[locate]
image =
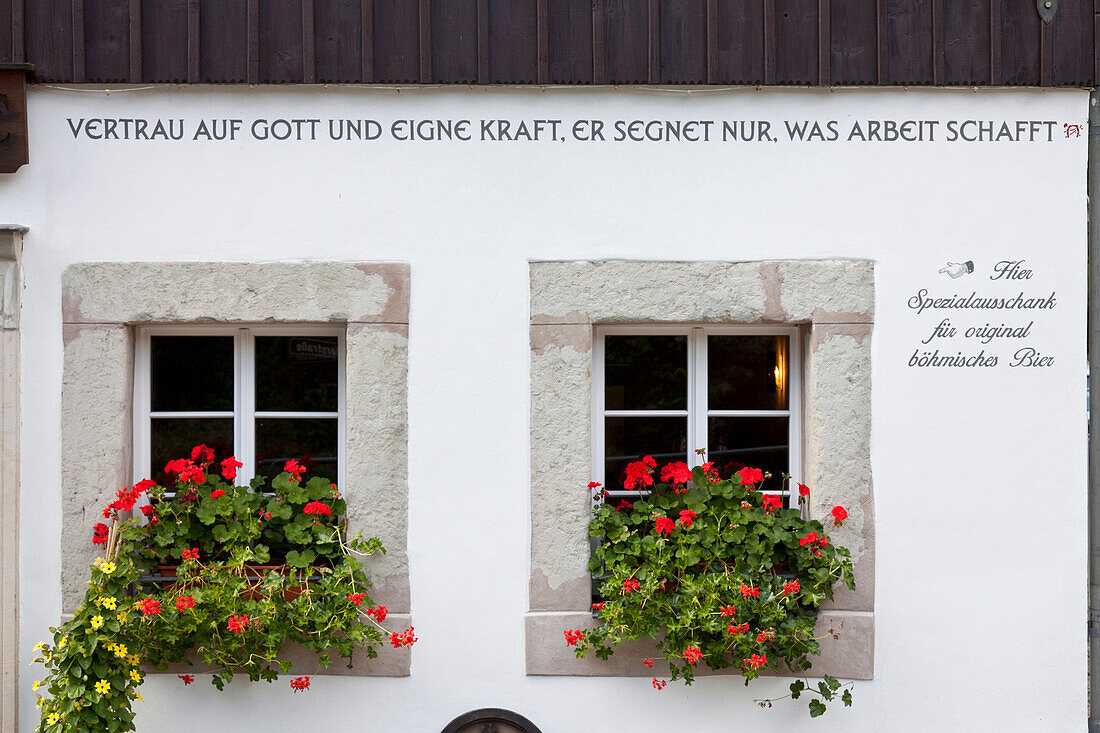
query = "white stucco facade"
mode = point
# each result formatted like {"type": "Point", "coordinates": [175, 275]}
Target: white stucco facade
{"type": "Point", "coordinates": [979, 473]}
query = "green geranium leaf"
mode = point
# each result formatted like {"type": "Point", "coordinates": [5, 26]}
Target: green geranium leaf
{"type": "Point", "coordinates": [300, 559]}
{"type": "Point", "coordinates": [817, 708]}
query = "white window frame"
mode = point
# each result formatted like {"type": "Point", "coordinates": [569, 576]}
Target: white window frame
{"type": "Point", "coordinates": [244, 411]}
{"type": "Point", "coordinates": [698, 412]}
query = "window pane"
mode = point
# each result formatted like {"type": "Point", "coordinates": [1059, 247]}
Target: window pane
{"type": "Point", "coordinates": [191, 373]}
{"type": "Point", "coordinates": [175, 437]}
{"type": "Point", "coordinates": [645, 372]}
{"type": "Point", "coordinates": [310, 441]}
{"type": "Point", "coordinates": [747, 372]}
{"type": "Point", "coordinates": [627, 439]}
{"type": "Point", "coordinates": [296, 373]}
{"type": "Point", "coordinates": [757, 442]}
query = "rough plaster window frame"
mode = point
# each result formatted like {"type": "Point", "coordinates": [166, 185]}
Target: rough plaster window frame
{"type": "Point", "coordinates": [104, 302]}
{"type": "Point", "coordinates": [697, 410]}
{"type": "Point", "coordinates": [832, 301]}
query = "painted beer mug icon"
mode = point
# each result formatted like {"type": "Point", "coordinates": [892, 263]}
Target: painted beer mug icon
{"type": "Point", "coordinates": [958, 269]}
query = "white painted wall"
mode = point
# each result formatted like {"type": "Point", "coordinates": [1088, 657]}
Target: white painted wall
{"type": "Point", "coordinates": [980, 476]}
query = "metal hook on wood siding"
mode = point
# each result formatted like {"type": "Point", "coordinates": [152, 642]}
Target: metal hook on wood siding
{"type": "Point", "coordinates": [1047, 9]}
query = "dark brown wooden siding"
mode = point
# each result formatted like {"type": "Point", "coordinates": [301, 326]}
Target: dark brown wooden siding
{"type": "Point", "coordinates": [772, 42]}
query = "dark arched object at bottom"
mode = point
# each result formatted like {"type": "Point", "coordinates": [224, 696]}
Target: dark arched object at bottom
{"type": "Point", "coordinates": [491, 720]}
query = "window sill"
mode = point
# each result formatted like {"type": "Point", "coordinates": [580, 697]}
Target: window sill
{"type": "Point", "coordinates": [390, 662]}
{"type": "Point", "coordinates": [849, 657]}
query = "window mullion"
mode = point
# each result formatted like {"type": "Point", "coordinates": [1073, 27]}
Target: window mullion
{"type": "Point", "coordinates": [341, 406]}
{"type": "Point", "coordinates": [698, 403]}
{"type": "Point", "coordinates": [598, 380]}
{"type": "Point", "coordinates": [246, 404]}
{"type": "Point", "coordinates": [794, 405]}
{"type": "Point", "coordinates": [142, 407]}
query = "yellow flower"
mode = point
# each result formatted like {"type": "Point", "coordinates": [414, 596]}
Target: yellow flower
{"type": "Point", "coordinates": [108, 603]}
{"type": "Point", "coordinates": [134, 660]}
{"type": "Point", "coordinates": [39, 645]}
{"type": "Point", "coordinates": [135, 676]}
{"type": "Point", "coordinates": [122, 616]}
{"type": "Point", "coordinates": [52, 718]}
{"type": "Point", "coordinates": [120, 650]}
{"type": "Point", "coordinates": [97, 622]}
{"type": "Point", "coordinates": [107, 568]}
{"type": "Point", "coordinates": [138, 696]}
{"type": "Point", "coordinates": [36, 685]}
{"type": "Point", "coordinates": [102, 687]}
{"type": "Point", "coordinates": [64, 640]}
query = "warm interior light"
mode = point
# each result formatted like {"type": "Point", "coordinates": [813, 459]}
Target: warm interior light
{"type": "Point", "coordinates": [779, 375]}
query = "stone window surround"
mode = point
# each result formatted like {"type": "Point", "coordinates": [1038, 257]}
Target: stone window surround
{"type": "Point", "coordinates": [102, 302]}
{"type": "Point", "coordinates": [833, 302]}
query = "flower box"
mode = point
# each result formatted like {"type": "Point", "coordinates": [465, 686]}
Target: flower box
{"type": "Point", "coordinates": [190, 579]}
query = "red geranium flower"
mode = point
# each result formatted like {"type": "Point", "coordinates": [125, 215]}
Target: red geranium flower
{"type": "Point", "coordinates": [659, 684]}
{"type": "Point", "coordinates": [640, 472]}
{"type": "Point", "coordinates": [803, 490]}
{"type": "Point", "coordinates": [749, 590]}
{"type": "Point", "coordinates": [839, 515]}
{"type": "Point", "coordinates": [750, 476]}
{"type": "Point", "coordinates": [772, 502]}
{"type": "Point", "coordinates": [317, 507]}
{"type": "Point", "coordinates": [572, 636]}
{"type": "Point", "coordinates": [101, 531]}
{"type": "Point", "coordinates": [648, 662]}
{"type": "Point", "coordinates": [148, 606]}
{"type": "Point", "coordinates": [236, 624]}
{"type": "Point", "coordinates": [202, 454]}
{"type": "Point", "coordinates": [293, 467]}
{"type": "Point", "coordinates": [192, 554]}
{"type": "Point", "coordinates": [693, 654]}
{"type": "Point", "coordinates": [676, 473]}
{"type": "Point", "coordinates": [809, 539]}
{"type": "Point", "coordinates": [300, 683]}
{"type": "Point", "coordinates": [378, 614]}
{"type": "Point", "coordinates": [663, 525]}
{"type": "Point", "coordinates": [185, 471]}
{"type": "Point", "coordinates": [229, 468]}
{"type": "Point", "coordinates": [738, 628]}
{"type": "Point", "coordinates": [357, 598]}
{"type": "Point", "coordinates": [597, 606]}
{"type": "Point", "coordinates": [187, 679]}
{"type": "Point", "coordinates": [184, 602]}
{"type": "Point", "coordinates": [216, 493]}
{"type": "Point", "coordinates": [792, 587]}
{"type": "Point", "coordinates": [756, 660]}
{"type": "Point", "coordinates": [687, 517]}
{"type": "Point", "coordinates": [729, 610]}
{"type": "Point", "coordinates": [405, 638]}
{"type": "Point", "coordinates": [630, 585]}
{"type": "Point", "coordinates": [624, 504]}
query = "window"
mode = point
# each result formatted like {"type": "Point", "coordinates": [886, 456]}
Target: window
{"type": "Point", "coordinates": [112, 310]}
{"type": "Point", "coordinates": [264, 394]}
{"type": "Point", "coordinates": [666, 391]}
{"type": "Point", "coordinates": [603, 392]}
